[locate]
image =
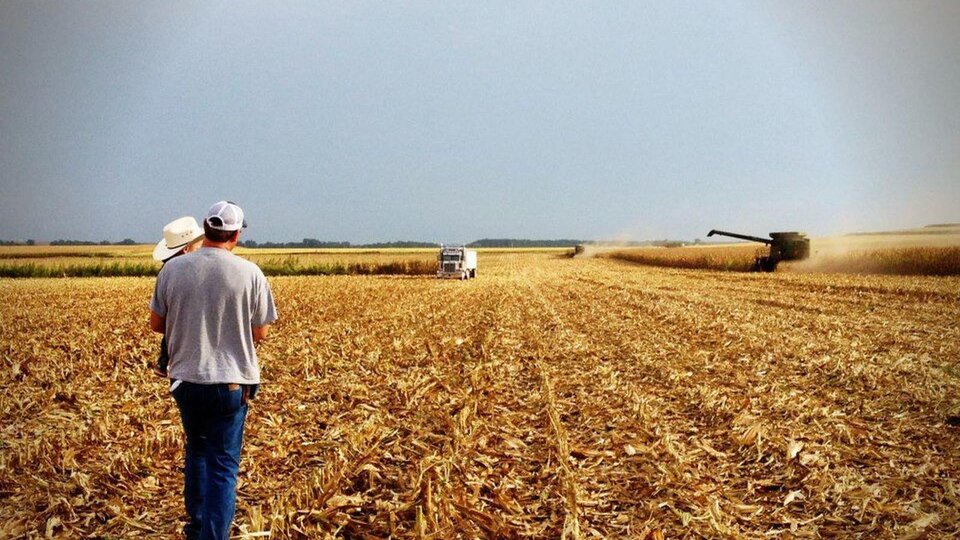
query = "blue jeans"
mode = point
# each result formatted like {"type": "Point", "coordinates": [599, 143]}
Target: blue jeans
{"type": "Point", "coordinates": [212, 417]}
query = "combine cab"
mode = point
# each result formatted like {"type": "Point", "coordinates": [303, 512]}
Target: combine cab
{"type": "Point", "coordinates": [784, 246]}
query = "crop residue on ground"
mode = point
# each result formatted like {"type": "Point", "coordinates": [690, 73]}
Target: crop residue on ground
{"type": "Point", "coordinates": [549, 397]}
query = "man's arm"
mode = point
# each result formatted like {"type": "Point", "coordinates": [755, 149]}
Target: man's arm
{"type": "Point", "coordinates": [260, 333]}
{"type": "Point", "coordinates": [158, 324]}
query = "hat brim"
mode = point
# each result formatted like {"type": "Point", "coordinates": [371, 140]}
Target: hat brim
{"type": "Point", "coordinates": [161, 252]}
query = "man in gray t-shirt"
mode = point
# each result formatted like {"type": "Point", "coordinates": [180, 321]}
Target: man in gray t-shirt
{"type": "Point", "coordinates": [213, 307]}
{"type": "Point", "coordinates": [212, 300]}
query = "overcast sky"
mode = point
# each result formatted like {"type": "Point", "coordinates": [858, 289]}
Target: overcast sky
{"type": "Point", "coordinates": [450, 121]}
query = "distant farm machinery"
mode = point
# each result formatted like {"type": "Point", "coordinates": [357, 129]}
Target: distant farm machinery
{"type": "Point", "coordinates": [784, 246]}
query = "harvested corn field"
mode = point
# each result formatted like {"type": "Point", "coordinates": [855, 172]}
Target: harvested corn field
{"type": "Point", "coordinates": [551, 397]}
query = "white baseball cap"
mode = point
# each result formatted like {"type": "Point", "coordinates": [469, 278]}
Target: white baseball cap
{"type": "Point", "coordinates": [177, 234]}
{"type": "Point", "coordinates": [225, 216]}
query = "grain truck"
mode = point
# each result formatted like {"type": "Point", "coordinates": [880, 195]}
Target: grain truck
{"type": "Point", "coordinates": [456, 262]}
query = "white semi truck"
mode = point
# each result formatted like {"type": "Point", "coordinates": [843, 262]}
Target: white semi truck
{"type": "Point", "coordinates": [456, 262]}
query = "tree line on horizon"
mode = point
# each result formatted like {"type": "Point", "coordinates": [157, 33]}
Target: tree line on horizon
{"type": "Point", "coordinates": [482, 243]}
{"type": "Point", "coordinates": [522, 243]}
{"type": "Point", "coordinates": [60, 242]}
{"type": "Point", "coordinates": [313, 243]}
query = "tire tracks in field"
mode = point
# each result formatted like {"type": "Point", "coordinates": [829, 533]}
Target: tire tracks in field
{"type": "Point", "coordinates": [610, 445]}
{"type": "Point", "coordinates": [491, 450]}
{"type": "Point", "coordinates": [554, 358]}
{"type": "Point", "coordinates": [655, 340]}
{"type": "Point", "coordinates": [480, 435]}
{"type": "Point", "coordinates": [557, 333]}
{"type": "Point", "coordinates": [632, 303]}
{"type": "Point", "coordinates": [528, 404]}
{"type": "Point", "coordinates": [872, 332]}
{"type": "Point", "coordinates": [460, 451]}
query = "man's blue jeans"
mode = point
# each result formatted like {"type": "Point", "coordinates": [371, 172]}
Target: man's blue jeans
{"type": "Point", "coordinates": [213, 418]}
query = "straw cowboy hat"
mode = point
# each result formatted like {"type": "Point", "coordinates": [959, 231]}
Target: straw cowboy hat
{"type": "Point", "coordinates": [177, 234]}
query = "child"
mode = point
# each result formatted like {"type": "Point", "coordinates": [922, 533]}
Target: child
{"type": "Point", "coordinates": [179, 236]}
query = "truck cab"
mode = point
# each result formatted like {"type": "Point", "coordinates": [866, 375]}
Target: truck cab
{"type": "Point", "coordinates": [456, 262]}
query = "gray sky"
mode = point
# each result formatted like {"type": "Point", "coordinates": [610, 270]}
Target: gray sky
{"type": "Point", "coordinates": [452, 121]}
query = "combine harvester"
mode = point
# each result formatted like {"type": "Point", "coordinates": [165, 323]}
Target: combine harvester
{"type": "Point", "coordinates": [784, 246]}
{"type": "Point", "coordinates": [456, 262]}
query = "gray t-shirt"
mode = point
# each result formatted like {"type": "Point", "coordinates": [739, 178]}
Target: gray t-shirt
{"type": "Point", "coordinates": [211, 298]}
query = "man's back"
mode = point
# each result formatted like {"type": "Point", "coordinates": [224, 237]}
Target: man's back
{"type": "Point", "coordinates": [212, 306]}
{"type": "Point", "coordinates": [211, 299]}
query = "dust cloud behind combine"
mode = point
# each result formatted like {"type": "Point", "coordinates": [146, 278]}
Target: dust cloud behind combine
{"type": "Point", "coordinates": [931, 249]}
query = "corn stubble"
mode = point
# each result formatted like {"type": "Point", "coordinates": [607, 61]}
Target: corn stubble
{"type": "Point", "coordinates": [572, 398]}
